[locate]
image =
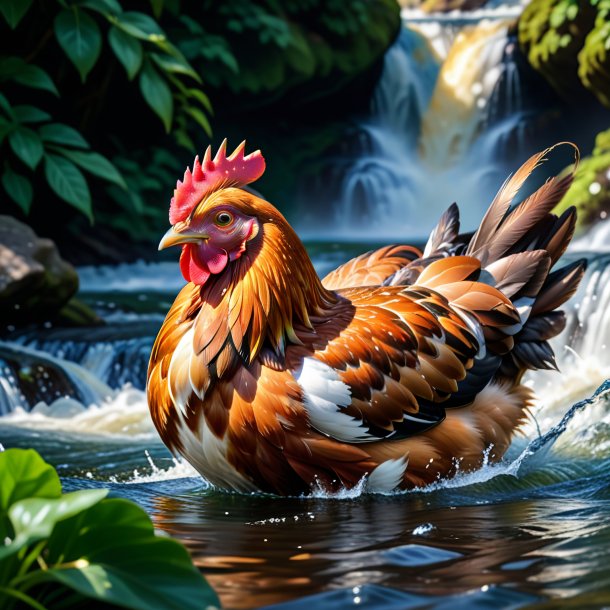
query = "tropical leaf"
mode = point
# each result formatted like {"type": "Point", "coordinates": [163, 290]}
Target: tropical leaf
{"type": "Point", "coordinates": [26, 144]}
{"type": "Point", "coordinates": [18, 187]}
{"type": "Point", "coordinates": [95, 164]}
{"type": "Point", "coordinates": [79, 36]}
{"type": "Point", "coordinates": [127, 49]}
{"type": "Point", "coordinates": [157, 94]}
{"type": "Point", "coordinates": [140, 25]}
{"type": "Point", "coordinates": [14, 10]}
{"type": "Point", "coordinates": [18, 70]}
{"type": "Point", "coordinates": [58, 133]}
{"type": "Point", "coordinates": [68, 183]}
{"type": "Point", "coordinates": [30, 114]}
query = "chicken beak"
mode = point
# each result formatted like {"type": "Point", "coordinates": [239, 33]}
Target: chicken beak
{"type": "Point", "coordinates": [174, 238]}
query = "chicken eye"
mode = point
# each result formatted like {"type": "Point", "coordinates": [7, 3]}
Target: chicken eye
{"type": "Point", "coordinates": [223, 219]}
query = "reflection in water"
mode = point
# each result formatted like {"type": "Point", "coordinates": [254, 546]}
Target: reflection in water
{"type": "Point", "coordinates": [257, 552]}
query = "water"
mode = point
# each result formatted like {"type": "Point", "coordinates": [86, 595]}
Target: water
{"type": "Point", "coordinates": [532, 528]}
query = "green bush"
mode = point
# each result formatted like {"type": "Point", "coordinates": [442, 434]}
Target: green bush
{"type": "Point", "coordinates": [52, 41]}
{"type": "Point", "coordinates": [69, 550]}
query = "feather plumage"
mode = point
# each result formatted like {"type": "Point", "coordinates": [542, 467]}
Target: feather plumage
{"type": "Point", "coordinates": [395, 366]}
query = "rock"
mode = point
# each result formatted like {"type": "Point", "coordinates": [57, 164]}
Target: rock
{"type": "Point", "coordinates": [35, 282]}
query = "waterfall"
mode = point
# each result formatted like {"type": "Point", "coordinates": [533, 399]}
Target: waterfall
{"type": "Point", "coordinates": [446, 111]}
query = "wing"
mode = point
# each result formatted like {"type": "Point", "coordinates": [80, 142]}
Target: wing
{"type": "Point", "coordinates": [405, 354]}
{"type": "Point", "coordinates": [371, 268]}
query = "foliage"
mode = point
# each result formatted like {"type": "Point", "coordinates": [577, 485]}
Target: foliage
{"type": "Point", "coordinates": [567, 42]}
{"type": "Point", "coordinates": [93, 36]}
{"type": "Point", "coordinates": [69, 550]}
{"type": "Point", "coordinates": [101, 97]}
{"type": "Point", "coordinates": [590, 192]}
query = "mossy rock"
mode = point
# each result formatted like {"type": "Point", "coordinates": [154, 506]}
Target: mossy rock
{"type": "Point", "coordinates": [594, 58]}
{"type": "Point", "coordinates": [551, 34]}
{"type": "Point", "coordinates": [590, 192]}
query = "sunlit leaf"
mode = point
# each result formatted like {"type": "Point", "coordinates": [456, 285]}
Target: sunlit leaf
{"type": "Point", "coordinates": [19, 189]}
{"type": "Point", "coordinates": [118, 559]}
{"type": "Point", "coordinates": [58, 133]}
{"type": "Point", "coordinates": [34, 519]}
{"type": "Point", "coordinates": [127, 49]}
{"type": "Point", "coordinates": [174, 65]}
{"type": "Point", "coordinates": [95, 164]}
{"type": "Point", "coordinates": [80, 38]}
{"type": "Point", "coordinates": [26, 144]}
{"type": "Point", "coordinates": [157, 94]}
{"type": "Point", "coordinates": [14, 10]}
{"type": "Point", "coordinates": [68, 182]}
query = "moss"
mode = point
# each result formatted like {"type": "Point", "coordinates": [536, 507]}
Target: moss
{"type": "Point", "coordinates": [594, 58]}
{"type": "Point", "coordinates": [590, 192]}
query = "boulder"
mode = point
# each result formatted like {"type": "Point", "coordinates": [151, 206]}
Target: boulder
{"type": "Point", "coordinates": [35, 282]}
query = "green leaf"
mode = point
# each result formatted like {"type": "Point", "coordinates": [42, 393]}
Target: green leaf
{"type": "Point", "coordinates": [157, 94]}
{"type": "Point", "coordinates": [24, 474]}
{"type": "Point", "coordinates": [19, 189]}
{"type": "Point", "coordinates": [174, 65]}
{"type": "Point", "coordinates": [201, 119]}
{"type": "Point", "coordinates": [105, 7]}
{"type": "Point", "coordinates": [127, 49]}
{"type": "Point", "coordinates": [26, 144]}
{"type": "Point", "coordinates": [34, 519]}
{"type": "Point", "coordinates": [14, 10]}
{"type": "Point", "coordinates": [140, 25]}
{"type": "Point", "coordinates": [5, 128]}
{"type": "Point", "coordinates": [6, 106]}
{"type": "Point", "coordinates": [14, 68]}
{"type": "Point", "coordinates": [80, 38]}
{"type": "Point", "coordinates": [69, 183]}
{"type": "Point", "coordinates": [110, 553]}
{"type": "Point", "coordinates": [95, 164]}
{"type": "Point", "coordinates": [30, 114]}
{"type": "Point", "coordinates": [201, 97]}
{"type": "Point", "coordinates": [58, 133]}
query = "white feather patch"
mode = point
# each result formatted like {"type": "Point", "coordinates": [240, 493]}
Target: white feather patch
{"type": "Point", "coordinates": [208, 455]}
{"type": "Point", "coordinates": [180, 358]}
{"type": "Point", "coordinates": [387, 476]}
{"type": "Point", "coordinates": [323, 395]}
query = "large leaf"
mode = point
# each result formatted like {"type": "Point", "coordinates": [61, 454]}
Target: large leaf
{"type": "Point", "coordinates": [115, 557]}
{"type": "Point", "coordinates": [18, 187]}
{"type": "Point", "coordinates": [127, 49]}
{"type": "Point", "coordinates": [157, 94]}
{"type": "Point", "coordinates": [68, 182]}
{"type": "Point", "coordinates": [80, 38]}
{"type": "Point", "coordinates": [58, 133]}
{"type": "Point", "coordinates": [34, 519]}
{"type": "Point", "coordinates": [26, 144]}
{"type": "Point", "coordinates": [95, 164]}
{"type": "Point", "coordinates": [24, 474]}
{"type": "Point", "coordinates": [14, 10]}
{"type": "Point", "coordinates": [14, 68]}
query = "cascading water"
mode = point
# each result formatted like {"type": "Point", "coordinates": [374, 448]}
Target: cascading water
{"type": "Point", "coordinates": [449, 120]}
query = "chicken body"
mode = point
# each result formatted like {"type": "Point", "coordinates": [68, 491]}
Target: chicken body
{"type": "Point", "coordinates": [400, 366]}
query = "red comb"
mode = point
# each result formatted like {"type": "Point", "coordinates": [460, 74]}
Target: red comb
{"type": "Point", "coordinates": [212, 175]}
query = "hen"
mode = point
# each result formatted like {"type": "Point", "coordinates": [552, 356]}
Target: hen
{"type": "Point", "coordinates": [401, 366]}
